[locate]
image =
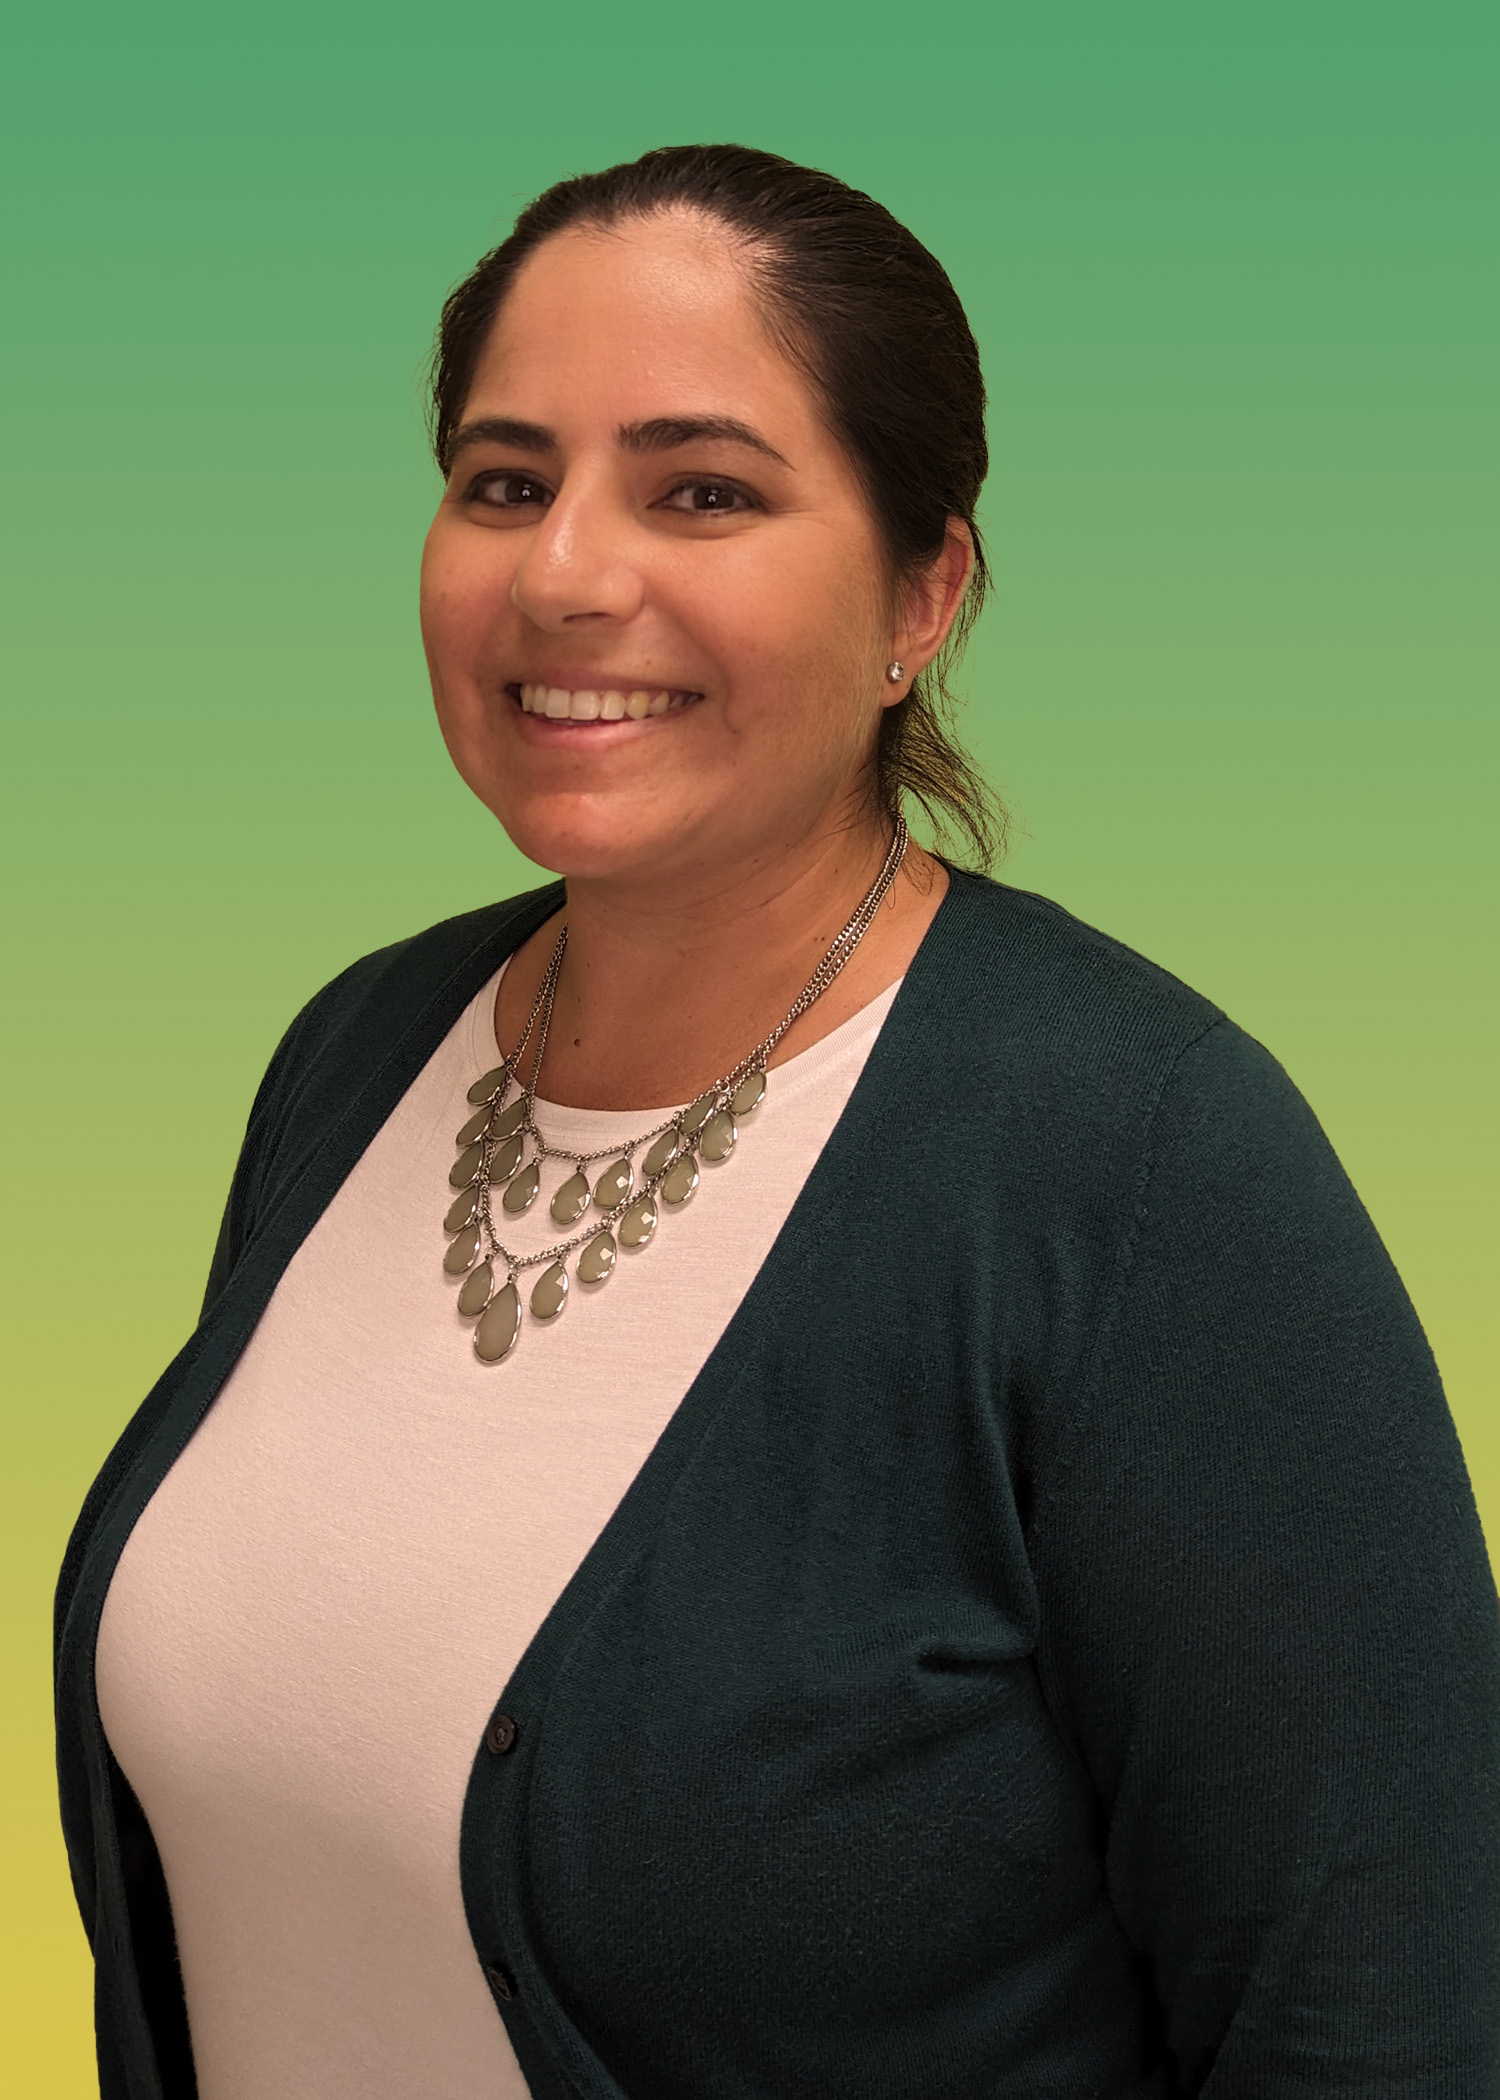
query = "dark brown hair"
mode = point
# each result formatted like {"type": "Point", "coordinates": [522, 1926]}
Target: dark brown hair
{"type": "Point", "coordinates": [870, 317]}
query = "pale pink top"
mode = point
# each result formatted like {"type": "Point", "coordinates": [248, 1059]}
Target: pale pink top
{"type": "Point", "coordinates": [311, 1623]}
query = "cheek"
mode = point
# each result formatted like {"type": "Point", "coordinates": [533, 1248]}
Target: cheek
{"type": "Point", "coordinates": [814, 601]}
{"type": "Point", "coordinates": [464, 588]}
{"type": "Point", "coordinates": [433, 601]}
{"type": "Point", "coordinates": [453, 616]}
{"type": "Point", "coordinates": [821, 637]}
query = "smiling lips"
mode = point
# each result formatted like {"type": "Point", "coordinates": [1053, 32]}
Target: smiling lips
{"type": "Point", "coordinates": [591, 704]}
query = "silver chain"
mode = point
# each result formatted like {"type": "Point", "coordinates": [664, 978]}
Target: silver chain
{"type": "Point", "coordinates": [509, 1070]}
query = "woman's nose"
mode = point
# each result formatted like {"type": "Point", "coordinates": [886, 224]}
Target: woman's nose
{"type": "Point", "coordinates": [576, 565]}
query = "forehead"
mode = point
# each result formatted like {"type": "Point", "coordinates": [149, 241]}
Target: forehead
{"type": "Point", "coordinates": [654, 316]}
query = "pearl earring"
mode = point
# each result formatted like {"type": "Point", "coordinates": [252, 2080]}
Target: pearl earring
{"type": "Point", "coordinates": [895, 673]}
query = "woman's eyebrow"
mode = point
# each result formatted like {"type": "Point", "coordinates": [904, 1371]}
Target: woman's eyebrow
{"type": "Point", "coordinates": [666, 433]}
{"type": "Point", "coordinates": [659, 434]}
{"type": "Point", "coordinates": [503, 430]}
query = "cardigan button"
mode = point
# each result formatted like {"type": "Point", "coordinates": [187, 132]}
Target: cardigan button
{"type": "Point", "coordinates": [501, 1734]}
{"type": "Point", "coordinates": [501, 1980]}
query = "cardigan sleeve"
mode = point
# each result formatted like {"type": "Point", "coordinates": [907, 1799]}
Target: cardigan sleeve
{"type": "Point", "coordinates": [1270, 1627]}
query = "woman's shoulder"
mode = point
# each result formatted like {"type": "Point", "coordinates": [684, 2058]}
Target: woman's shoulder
{"type": "Point", "coordinates": [1030, 1003]}
{"type": "Point", "coordinates": [354, 1048]}
{"type": "Point", "coordinates": [408, 972]}
{"type": "Point", "coordinates": [1008, 940]}
{"type": "Point", "coordinates": [1024, 977]}
{"type": "Point", "coordinates": [391, 1007]}
{"type": "Point", "coordinates": [391, 988]}
{"type": "Point", "coordinates": [1119, 1101]}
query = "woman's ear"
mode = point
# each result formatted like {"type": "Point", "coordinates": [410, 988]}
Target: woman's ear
{"type": "Point", "coordinates": [929, 606]}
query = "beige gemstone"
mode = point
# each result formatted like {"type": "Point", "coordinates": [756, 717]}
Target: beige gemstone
{"type": "Point", "coordinates": [467, 1164]}
{"type": "Point", "coordinates": [475, 1294]}
{"type": "Point", "coordinates": [476, 1126]}
{"type": "Point", "coordinates": [462, 1212]}
{"type": "Point", "coordinates": [520, 1194]}
{"type": "Point", "coordinates": [597, 1258]}
{"type": "Point", "coordinates": [506, 1157]}
{"type": "Point", "coordinates": [572, 1199]}
{"type": "Point", "coordinates": [719, 1134]}
{"type": "Point", "coordinates": [491, 1084]}
{"type": "Point", "coordinates": [681, 1180]}
{"type": "Point", "coordinates": [499, 1324]}
{"type": "Point", "coordinates": [550, 1295]}
{"type": "Point", "coordinates": [462, 1252]}
{"type": "Point", "coordinates": [638, 1223]}
{"type": "Point", "coordinates": [614, 1184]}
{"type": "Point", "coordinates": [662, 1153]}
{"type": "Point", "coordinates": [749, 1094]}
{"type": "Point", "coordinates": [509, 1120]}
{"type": "Point", "coordinates": [695, 1117]}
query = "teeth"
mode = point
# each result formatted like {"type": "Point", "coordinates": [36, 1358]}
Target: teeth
{"type": "Point", "coordinates": [560, 705]}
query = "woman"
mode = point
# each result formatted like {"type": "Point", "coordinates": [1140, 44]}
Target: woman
{"type": "Point", "coordinates": [983, 1596]}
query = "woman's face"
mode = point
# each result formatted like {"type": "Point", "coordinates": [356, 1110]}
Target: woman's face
{"type": "Point", "coordinates": [645, 501]}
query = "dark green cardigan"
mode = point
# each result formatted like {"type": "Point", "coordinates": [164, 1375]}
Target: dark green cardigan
{"type": "Point", "coordinates": [1051, 1650]}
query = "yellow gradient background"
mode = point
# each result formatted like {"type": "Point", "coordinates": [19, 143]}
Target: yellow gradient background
{"type": "Point", "coordinates": [1233, 275]}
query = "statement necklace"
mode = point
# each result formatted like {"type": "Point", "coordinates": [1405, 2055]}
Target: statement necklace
{"type": "Point", "coordinates": [500, 1147]}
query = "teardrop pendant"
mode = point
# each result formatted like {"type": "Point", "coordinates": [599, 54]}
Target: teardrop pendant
{"type": "Point", "coordinates": [614, 1184]}
{"type": "Point", "coordinates": [464, 1210]}
{"type": "Point", "coordinates": [491, 1084]}
{"type": "Point", "coordinates": [478, 1287]}
{"type": "Point", "coordinates": [638, 1223]}
{"type": "Point", "coordinates": [520, 1194]}
{"type": "Point", "coordinates": [466, 1167]}
{"type": "Point", "coordinates": [506, 1157]}
{"type": "Point", "coordinates": [694, 1118]}
{"type": "Point", "coordinates": [597, 1258]}
{"type": "Point", "coordinates": [572, 1199]}
{"type": "Point", "coordinates": [719, 1134]}
{"type": "Point", "coordinates": [476, 1126]}
{"type": "Point", "coordinates": [662, 1153]}
{"type": "Point", "coordinates": [681, 1180]}
{"type": "Point", "coordinates": [462, 1252]}
{"type": "Point", "coordinates": [749, 1094]}
{"type": "Point", "coordinates": [499, 1324]}
{"type": "Point", "coordinates": [551, 1293]}
{"type": "Point", "coordinates": [510, 1120]}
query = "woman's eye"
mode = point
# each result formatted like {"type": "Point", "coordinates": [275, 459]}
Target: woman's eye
{"type": "Point", "coordinates": [708, 498]}
{"type": "Point", "coordinates": [509, 491]}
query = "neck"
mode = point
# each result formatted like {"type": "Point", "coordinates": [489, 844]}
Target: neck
{"type": "Point", "coordinates": [666, 986]}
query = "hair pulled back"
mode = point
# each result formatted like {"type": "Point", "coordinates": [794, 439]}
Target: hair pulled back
{"type": "Point", "coordinates": [870, 317]}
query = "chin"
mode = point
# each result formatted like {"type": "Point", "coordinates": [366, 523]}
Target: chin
{"type": "Point", "coordinates": [593, 845]}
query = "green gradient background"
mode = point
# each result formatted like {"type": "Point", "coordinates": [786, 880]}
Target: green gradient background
{"type": "Point", "coordinates": [1232, 271]}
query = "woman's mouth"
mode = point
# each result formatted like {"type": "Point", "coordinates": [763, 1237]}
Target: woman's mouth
{"type": "Point", "coordinates": [599, 703]}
